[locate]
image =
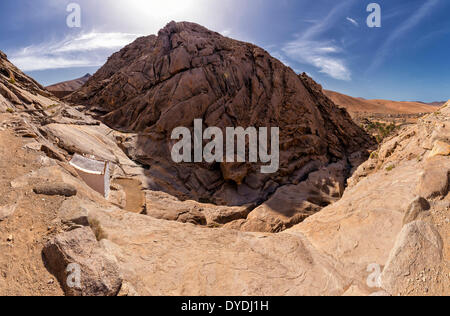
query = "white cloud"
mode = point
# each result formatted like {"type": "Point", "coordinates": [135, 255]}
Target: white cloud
{"type": "Point", "coordinates": [328, 21]}
{"type": "Point", "coordinates": [320, 55]}
{"type": "Point", "coordinates": [94, 41]}
{"type": "Point", "coordinates": [352, 21]}
{"type": "Point", "coordinates": [309, 47]}
{"type": "Point", "coordinates": [42, 62]}
{"type": "Point", "coordinates": [84, 50]}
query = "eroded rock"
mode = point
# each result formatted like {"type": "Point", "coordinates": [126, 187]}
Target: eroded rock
{"type": "Point", "coordinates": [99, 271]}
{"type": "Point", "coordinates": [164, 206]}
{"type": "Point", "coordinates": [417, 207]}
{"type": "Point", "coordinates": [440, 149]}
{"type": "Point", "coordinates": [158, 257]}
{"type": "Point", "coordinates": [434, 181]}
{"type": "Point", "coordinates": [62, 189]}
{"type": "Point", "coordinates": [292, 204]}
{"type": "Point", "coordinates": [418, 248]}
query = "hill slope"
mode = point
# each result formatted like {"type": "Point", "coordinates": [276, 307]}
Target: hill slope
{"type": "Point", "coordinates": [65, 88]}
{"type": "Point", "coordinates": [358, 105]}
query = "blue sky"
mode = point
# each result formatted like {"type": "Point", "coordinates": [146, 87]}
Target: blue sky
{"type": "Point", "coordinates": [405, 59]}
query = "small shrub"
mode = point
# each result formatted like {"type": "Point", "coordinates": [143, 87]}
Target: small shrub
{"type": "Point", "coordinates": [12, 81]}
{"type": "Point", "coordinates": [9, 110]}
{"type": "Point", "coordinates": [390, 168]}
{"type": "Point", "coordinates": [379, 139]}
{"type": "Point", "coordinates": [97, 229]}
{"type": "Point", "coordinates": [374, 155]}
{"type": "Point", "coordinates": [51, 106]}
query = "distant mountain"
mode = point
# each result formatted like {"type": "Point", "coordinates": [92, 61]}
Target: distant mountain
{"type": "Point", "coordinates": [439, 103]}
{"type": "Point", "coordinates": [65, 88]}
{"type": "Point", "coordinates": [359, 105]}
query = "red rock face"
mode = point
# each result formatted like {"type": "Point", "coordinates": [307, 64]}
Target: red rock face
{"type": "Point", "coordinates": [17, 90]}
{"type": "Point", "coordinates": [187, 72]}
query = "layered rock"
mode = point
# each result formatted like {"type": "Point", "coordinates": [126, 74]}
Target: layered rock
{"type": "Point", "coordinates": [187, 72]}
{"type": "Point", "coordinates": [20, 92]}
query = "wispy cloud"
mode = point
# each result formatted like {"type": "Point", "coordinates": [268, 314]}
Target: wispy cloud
{"type": "Point", "coordinates": [320, 55]}
{"type": "Point", "coordinates": [84, 50]}
{"type": "Point", "coordinates": [352, 21]}
{"type": "Point", "coordinates": [410, 23]}
{"type": "Point", "coordinates": [309, 48]}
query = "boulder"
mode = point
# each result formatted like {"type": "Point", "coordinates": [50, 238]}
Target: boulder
{"type": "Point", "coordinates": [62, 189]}
{"type": "Point", "coordinates": [79, 249]}
{"type": "Point", "coordinates": [74, 211]}
{"type": "Point", "coordinates": [434, 180]}
{"type": "Point", "coordinates": [440, 149]}
{"type": "Point", "coordinates": [164, 206]}
{"type": "Point", "coordinates": [418, 248]}
{"type": "Point", "coordinates": [417, 207]}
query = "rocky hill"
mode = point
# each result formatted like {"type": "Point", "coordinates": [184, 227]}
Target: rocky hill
{"type": "Point", "coordinates": [18, 91]}
{"type": "Point", "coordinates": [65, 88]}
{"type": "Point", "coordinates": [188, 72]}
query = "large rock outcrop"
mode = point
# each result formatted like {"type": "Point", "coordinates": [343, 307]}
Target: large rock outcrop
{"type": "Point", "coordinates": [187, 72]}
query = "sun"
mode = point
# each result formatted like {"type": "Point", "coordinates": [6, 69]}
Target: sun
{"type": "Point", "coordinates": [149, 16]}
{"type": "Point", "coordinates": [165, 10]}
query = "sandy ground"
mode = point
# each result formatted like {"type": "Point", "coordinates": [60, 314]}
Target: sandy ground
{"type": "Point", "coordinates": [135, 197]}
{"type": "Point", "coordinates": [23, 235]}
